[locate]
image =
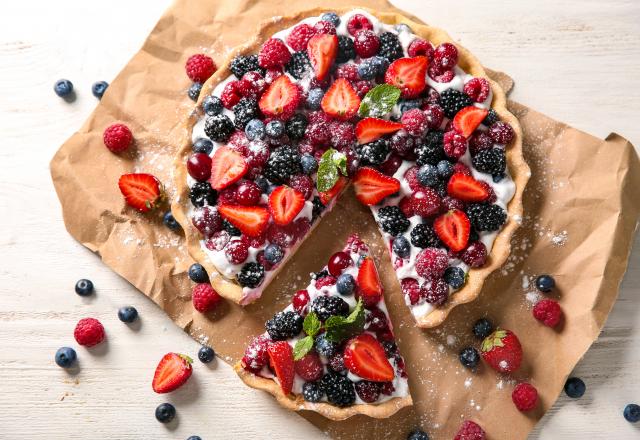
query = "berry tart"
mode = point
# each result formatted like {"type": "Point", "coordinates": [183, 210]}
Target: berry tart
{"type": "Point", "coordinates": [321, 99]}
{"type": "Point", "coordinates": [332, 350]}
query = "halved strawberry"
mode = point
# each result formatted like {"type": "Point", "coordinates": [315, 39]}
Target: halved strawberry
{"type": "Point", "coordinates": [281, 360]}
{"type": "Point", "coordinates": [365, 357]}
{"type": "Point", "coordinates": [372, 186]}
{"type": "Point", "coordinates": [467, 189]}
{"type": "Point", "coordinates": [468, 119]}
{"type": "Point", "coordinates": [327, 196]}
{"type": "Point", "coordinates": [453, 229]}
{"type": "Point", "coordinates": [370, 129]}
{"type": "Point", "coordinates": [285, 203]}
{"type": "Point", "coordinates": [227, 167]}
{"type": "Point", "coordinates": [172, 372]}
{"type": "Point", "coordinates": [280, 99]}
{"type": "Point", "coordinates": [408, 74]}
{"type": "Point", "coordinates": [369, 287]}
{"type": "Point", "coordinates": [141, 191]}
{"type": "Point", "coordinates": [251, 220]}
{"type": "Point", "coordinates": [341, 101]}
{"type": "Point", "coordinates": [322, 50]}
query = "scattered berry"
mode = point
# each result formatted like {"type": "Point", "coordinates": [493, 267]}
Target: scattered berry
{"type": "Point", "coordinates": [194, 91]}
{"type": "Point", "coordinates": [88, 332]}
{"type": "Point", "coordinates": [470, 431]}
{"type": "Point", "coordinates": [200, 67]}
{"type": "Point", "coordinates": [204, 297]}
{"type": "Point", "coordinates": [63, 88]}
{"type": "Point", "coordinates": [172, 372]}
{"type": "Point", "coordinates": [418, 434]}
{"type": "Point", "coordinates": [525, 397]}
{"type": "Point", "coordinates": [482, 328]}
{"type": "Point", "coordinates": [127, 314]}
{"type": "Point", "coordinates": [65, 357]}
{"type": "Point", "coordinates": [206, 354]}
{"type": "Point", "coordinates": [117, 138]}
{"type": "Point", "coordinates": [165, 412]}
{"type": "Point", "coordinates": [502, 351]}
{"type": "Point", "coordinates": [548, 312]}
{"type": "Point", "coordinates": [575, 387]}
{"type": "Point", "coordinates": [632, 413]}
{"type": "Point", "coordinates": [545, 283]}
{"type": "Point", "coordinates": [197, 273]}
{"type": "Point", "coordinates": [98, 88]}
{"type": "Point", "coordinates": [469, 357]}
{"type": "Point", "coordinates": [84, 287]}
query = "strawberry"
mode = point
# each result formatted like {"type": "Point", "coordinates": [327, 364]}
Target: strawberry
{"type": "Point", "coordinates": [370, 129]}
{"type": "Point", "coordinates": [502, 351]}
{"type": "Point", "coordinates": [285, 203]}
{"type": "Point", "coordinates": [468, 119]}
{"type": "Point", "coordinates": [327, 196]}
{"type": "Point", "coordinates": [453, 229]}
{"type": "Point", "coordinates": [227, 167]}
{"type": "Point", "coordinates": [141, 191]}
{"type": "Point", "coordinates": [372, 186]}
{"type": "Point", "coordinates": [281, 359]}
{"type": "Point", "coordinates": [171, 373]}
{"type": "Point", "coordinates": [467, 189]}
{"type": "Point", "coordinates": [408, 74]}
{"type": "Point", "coordinates": [251, 220]}
{"type": "Point", "coordinates": [369, 287]}
{"type": "Point", "coordinates": [341, 101]}
{"type": "Point", "coordinates": [365, 357]}
{"type": "Point", "coordinates": [280, 99]}
{"type": "Point", "coordinates": [322, 50]}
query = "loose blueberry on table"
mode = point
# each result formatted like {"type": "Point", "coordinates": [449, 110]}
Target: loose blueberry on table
{"type": "Point", "coordinates": [65, 357]}
{"type": "Point", "coordinates": [127, 314]}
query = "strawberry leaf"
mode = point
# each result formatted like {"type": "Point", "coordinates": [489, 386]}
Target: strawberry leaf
{"type": "Point", "coordinates": [494, 340]}
{"type": "Point", "coordinates": [311, 324]}
{"type": "Point", "coordinates": [379, 101]}
{"type": "Point", "coordinates": [339, 328]}
{"type": "Point", "coordinates": [302, 347]}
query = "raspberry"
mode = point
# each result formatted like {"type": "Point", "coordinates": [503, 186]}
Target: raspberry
{"type": "Point", "coordinates": [450, 203]}
{"type": "Point", "coordinates": [204, 297]}
{"type": "Point", "coordinates": [324, 27]}
{"type": "Point", "coordinates": [318, 117]}
{"type": "Point", "coordinates": [325, 281]}
{"type": "Point", "coordinates": [218, 241]}
{"type": "Point", "coordinates": [207, 220]}
{"type": "Point", "coordinates": [475, 255]}
{"type": "Point", "coordinates": [252, 85]}
{"type": "Point", "coordinates": [425, 202]}
{"type": "Point", "coordinates": [300, 301]}
{"type": "Point", "coordinates": [117, 138]}
{"type": "Point", "coordinates": [414, 122]}
{"type": "Point", "coordinates": [283, 236]}
{"type": "Point", "coordinates": [387, 388]}
{"type": "Point", "coordinates": [368, 391]}
{"type": "Point", "coordinates": [357, 23]}
{"type": "Point", "coordinates": [501, 132]}
{"type": "Point", "coordinates": [366, 43]}
{"type": "Point", "coordinates": [479, 141]}
{"type": "Point", "coordinates": [548, 312]}
{"type": "Point", "coordinates": [363, 87]}
{"type": "Point", "coordinates": [455, 145]}
{"type": "Point", "coordinates": [478, 89]}
{"type": "Point", "coordinates": [355, 244]}
{"type": "Point", "coordinates": [348, 71]}
{"type": "Point", "coordinates": [303, 184]}
{"type": "Point", "coordinates": [273, 54]}
{"type": "Point", "coordinates": [309, 367]}
{"type": "Point", "coordinates": [256, 355]}
{"type": "Point", "coordinates": [431, 263]}
{"type": "Point", "coordinates": [88, 332]}
{"type": "Point", "coordinates": [318, 133]}
{"type": "Point", "coordinates": [435, 291]}
{"type": "Point", "coordinates": [343, 135]}
{"type": "Point", "coordinates": [402, 143]}
{"type": "Point", "coordinates": [406, 206]}
{"type": "Point", "coordinates": [272, 74]}
{"type": "Point", "coordinates": [433, 97]}
{"type": "Point", "coordinates": [336, 362]}
{"type": "Point", "coordinates": [411, 289]}
{"type": "Point", "coordinates": [236, 251]}
{"type": "Point", "coordinates": [200, 67]}
{"type": "Point", "coordinates": [525, 396]}
{"type": "Point", "coordinates": [434, 114]}
{"type": "Point", "coordinates": [231, 94]}
{"type": "Point", "coordinates": [470, 431]}
{"type": "Point", "coordinates": [411, 176]}
{"type": "Point", "coordinates": [439, 75]}
{"type": "Point", "coordinates": [445, 56]}
{"type": "Point", "coordinates": [257, 156]}
{"type": "Point", "coordinates": [461, 168]}
{"type": "Point", "coordinates": [420, 47]}
{"type": "Point", "coordinates": [300, 36]}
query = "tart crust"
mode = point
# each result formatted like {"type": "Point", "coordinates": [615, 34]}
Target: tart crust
{"type": "Point", "coordinates": [500, 251]}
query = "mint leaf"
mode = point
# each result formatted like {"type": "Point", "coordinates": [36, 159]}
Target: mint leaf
{"type": "Point", "coordinates": [311, 324]}
{"type": "Point", "coordinates": [379, 101]}
{"type": "Point", "coordinates": [302, 347]}
{"type": "Point", "coordinates": [339, 328]}
{"type": "Point", "coordinates": [329, 168]}
{"type": "Point", "coordinates": [340, 160]}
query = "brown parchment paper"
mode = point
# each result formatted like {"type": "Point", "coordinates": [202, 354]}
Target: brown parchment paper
{"type": "Point", "coordinates": [581, 211]}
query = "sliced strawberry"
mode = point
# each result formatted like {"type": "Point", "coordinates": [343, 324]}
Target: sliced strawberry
{"type": "Point", "coordinates": [370, 129]}
{"type": "Point", "coordinates": [468, 119]}
{"type": "Point", "coordinates": [372, 186]}
{"type": "Point", "coordinates": [408, 74]}
{"type": "Point", "coordinates": [227, 167]}
{"type": "Point", "coordinates": [280, 99]}
{"type": "Point", "coordinates": [467, 189]}
{"type": "Point", "coordinates": [322, 50]}
{"type": "Point", "coordinates": [172, 372]}
{"type": "Point", "coordinates": [365, 357]}
{"type": "Point", "coordinates": [281, 359]}
{"type": "Point", "coordinates": [285, 203]}
{"type": "Point", "coordinates": [341, 101]}
{"type": "Point", "coordinates": [251, 220]}
{"type": "Point", "coordinates": [453, 229]}
{"type": "Point", "coordinates": [368, 280]}
{"type": "Point", "coordinates": [327, 196]}
{"type": "Point", "coordinates": [141, 191]}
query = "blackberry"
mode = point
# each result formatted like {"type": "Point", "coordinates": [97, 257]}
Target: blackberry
{"type": "Point", "coordinates": [441, 188]}
{"type": "Point", "coordinates": [390, 46]}
{"type": "Point", "coordinates": [469, 357]}
{"type": "Point", "coordinates": [455, 277]}
{"type": "Point", "coordinates": [374, 153]}
{"type": "Point", "coordinates": [401, 247]}
{"type": "Point", "coordinates": [452, 101]}
{"type": "Point", "coordinates": [423, 236]}
{"type": "Point", "coordinates": [328, 306]}
{"type": "Point", "coordinates": [346, 50]}
{"type": "Point", "coordinates": [392, 220]}
{"type": "Point", "coordinates": [232, 230]}
{"type": "Point", "coordinates": [339, 389]}
{"type": "Point", "coordinates": [284, 325]}
{"type": "Point", "coordinates": [202, 194]}
{"type": "Point", "coordinates": [312, 392]}
{"type": "Point", "coordinates": [243, 64]}
{"type": "Point", "coordinates": [390, 348]}
{"type": "Point", "coordinates": [482, 328]}
{"type": "Point", "coordinates": [492, 161]}
{"type": "Point", "coordinates": [299, 65]}
{"type": "Point", "coordinates": [295, 126]}
{"type": "Point", "coordinates": [245, 110]}
{"type": "Point", "coordinates": [491, 117]}
{"type": "Point", "coordinates": [325, 347]}
{"type": "Point", "coordinates": [486, 217]}
{"type": "Point", "coordinates": [283, 163]}
{"type": "Point", "coordinates": [367, 70]}
{"type": "Point", "coordinates": [194, 91]}
{"type": "Point", "coordinates": [218, 127]}
{"type": "Point", "coordinates": [318, 207]}
{"type": "Point", "coordinates": [430, 149]}
{"type": "Point", "coordinates": [251, 275]}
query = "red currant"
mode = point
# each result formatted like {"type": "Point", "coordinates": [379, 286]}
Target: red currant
{"type": "Point", "coordinates": [199, 166]}
{"type": "Point", "coordinates": [248, 193]}
{"type": "Point", "coordinates": [300, 301]}
{"type": "Point", "coordinates": [338, 262]}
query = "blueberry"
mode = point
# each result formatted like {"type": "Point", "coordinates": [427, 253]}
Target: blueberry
{"type": "Point", "coordinates": [84, 287]}
{"type": "Point", "coordinates": [127, 314]}
{"type": "Point", "coordinates": [314, 98]}
{"type": "Point", "coordinates": [206, 354]}
{"type": "Point", "coordinates": [345, 284]}
{"type": "Point", "coordinates": [203, 145]}
{"type": "Point", "coordinates": [545, 283]}
{"type": "Point", "coordinates": [366, 70]}
{"type": "Point", "coordinates": [309, 164]}
{"type": "Point", "coordinates": [445, 169]}
{"type": "Point", "coordinates": [63, 87]}
{"type": "Point", "coordinates": [194, 437]}
{"type": "Point", "coordinates": [469, 357]}
{"type": "Point", "coordinates": [262, 183]}
{"type": "Point", "coordinates": [418, 434]}
{"type": "Point", "coordinates": [254, 130]}
{"type": "Point", "coordinates": [274, 129]}
{"type": "Point", "coordinates": [198, 274]}
{"type": "Point", "coordinates": [170, 221]}
{"type": "Point", "coordinates": [194, 91]}
{"type": "Point", "coordinates": [409, 104]}
{"type": "Point", "coordinates": [428, 175]}
{"type": "Point", "coordinates": [401, 27]}
{"type": "Point", "coordinates": [98, 88]}
{"type": "Point", "coordinates": [632, 413]}
{"type": "Point", "coordinates": [401, 246]}
{"type": "Point", "coordinates": [212, 105]}
{"type": "Point", "coordinates": [482, 328]}
{"type": "Point", "coordinates": [273, 253]}
{"type": "Point", "coordinates": [165, 412]}
{"type": "Point", "coordinates": [331, 17]}
{"type": "Point", "coordinates": [455, 277]}
{"type": "Point", "coordinates": [574, 387]}
{"type": "Point", "coordinates": [380, 64]}
{"type": "Point", "coordinates": [65, 357]}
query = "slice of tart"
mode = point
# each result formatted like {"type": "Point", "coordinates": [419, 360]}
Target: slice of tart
{"type": "Point", "coordinates": [332, 350]}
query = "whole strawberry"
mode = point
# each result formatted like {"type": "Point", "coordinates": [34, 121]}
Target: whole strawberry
{"type": "Point", "coordinates": [172, 372]}
{"type": "Point", "coordinates": [470, 431]}
{"type": "Point", "coordinates": [502, 351]}
{"type": "Point", "coordinates": [89, 332]}
{"type": "Point", "coordinates": [204, 297]}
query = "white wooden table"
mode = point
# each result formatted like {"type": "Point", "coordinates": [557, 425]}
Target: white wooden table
{"type": "Point", "coordinates": [577, 61]}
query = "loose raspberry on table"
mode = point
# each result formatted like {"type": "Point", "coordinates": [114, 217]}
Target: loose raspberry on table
{"type": "Point", "coordinates": [200, 67]}
{"type": "Point", "coordinates": [420, 47]}
{"type": "Point", "coordinates": [478, 89]}
{"type": "Point", "coordinates": [88, 332]}
{"type": "Point", "coordinates": [435, 291]}
{"type": "Point", "coordinates": [501, 132]}
{"type": "Point", "coordinates": [525, 396]}
{"type": "Point", "coordinates": [470, 431]}
{"type": "Point", "coordinates": [273, 54]}
{"type": "Point", "coordinates": [366, 43]}
{"type": "Point", "coordinates": [455, 145]}
{"type": "Point", "coordinates": [414, 122]}
{"type": "Point", "coordinates": [445, 56]}
{"type": "Point", "coordinates": [431, 263]}
{"type": "Point", "coordinates": [204, 297]}
{"type": "Point", "coordinates": [548, 312]}
{"type": "Point", "coordinates": [357, 23]}
{"type": "Point", "coordinates": [299, 36]}
{"type": "Point", "coordinates": [117, 137]}
{"type": "Point", "coordinates": [231, 94]}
